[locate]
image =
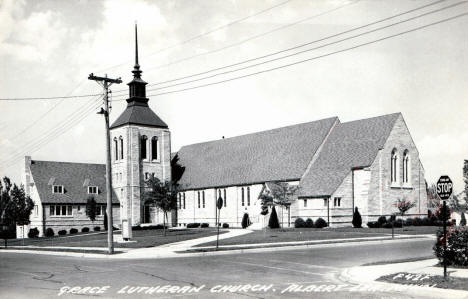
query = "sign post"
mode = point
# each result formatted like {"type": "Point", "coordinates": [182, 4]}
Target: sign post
{"type": "Point", "coordinates": [444, 191]}
{"type": "Point", "coordinates": [219, 205]}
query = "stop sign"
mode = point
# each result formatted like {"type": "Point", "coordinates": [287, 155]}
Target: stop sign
{"type": "Point", "coordinates": [444, 187]}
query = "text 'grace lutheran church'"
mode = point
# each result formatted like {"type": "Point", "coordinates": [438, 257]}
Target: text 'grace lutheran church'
{"type": "Point", "coordinates": [367, 163]}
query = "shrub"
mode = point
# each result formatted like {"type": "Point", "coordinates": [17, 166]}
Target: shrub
{"type": "Point", "coordinates": [62, 232]}
{"type": "Point", "coordinates": [309, 223]}
{"type": "Point", "coordinates": [462, 219]}
{"type": "Point", "coordinates": [273, 222]}
{"type": "Point", "coordinates": [457, 251]}
{"type": "Point", "coordinates": [204, 225]}
{"type": "Point", "coordinates": [225, 225]}
{"type": "Point", "coordinates": [73, 231]}
{"type": "Point", "coordinates": [33, 233]}
{"type": "Point", "coordinates": [387, 225]}
{"type": "Point", "coordinates": [97, 228]}
{"type": "Point", "coordinates": [398, 223]}
{"type": "Point", "coordinates": [433, 220]}
{"type": "Point", "coordinates": [193, 225]}
{"type": "Point", "coordinates": [299, 222]}
{"type": "Point", "coordinates": [320, 223]}
{"type": "Point", "coordinates": [441, 215]}
{"type": "Point", "coordinates": [409, 222]}
{"type": "Point", "coordinates": [245, 220]}
{"type": "Point", "coordinates": [417, 221]}
{"type": "Point", "coordinates": [382, 220]}
{"type": "Point", "coordinates": [429, 213]}
{"type": "Point", "coordinates": [49, 232]}
{"type": "Point", "coordinates": [85, 229]}
{"type": "Point", "coordinates": [374, 224]}
{"type": "Point", "coordinates": [357, 220]}
{"type": "Point", "coordinates": [426, 221]}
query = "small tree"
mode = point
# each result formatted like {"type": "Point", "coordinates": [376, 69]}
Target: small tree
{"type": "Point", "coordinates": [357, 220]}
{"type": "Point", "coordinates": [162, 195]}
{"type": "Point", "coordinates": [404, 205]}
{"type": "Point", "coordinates": [278, 193]}
{"type": "Point", "coordinates": [245, 221]}
{"type": "Point", "coordinates": [465, 179]}
{"type": "Point", "coordinates": [91, 208]}
{"type": "Point", "coordinates": [440, 213]}
{"type": "Point", "coordinates": [462, 219]}
{"type": "Point", "coordinates": [273, 222]}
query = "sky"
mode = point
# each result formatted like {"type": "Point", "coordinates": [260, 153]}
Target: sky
{"type": "Point", "coordinates": [48, 48]}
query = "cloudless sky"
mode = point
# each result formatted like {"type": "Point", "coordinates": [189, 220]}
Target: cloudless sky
{"type": "Point", "coordinates": [48, 48]}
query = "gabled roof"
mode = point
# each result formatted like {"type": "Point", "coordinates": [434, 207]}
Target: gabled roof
{"type": "Point", "coordinates": [274, 155]}
{"type": "Point", "coordinates": [75, 178]}
{"type": "Point", "coordinates": [139, 114]}
{"type": "Point", "coordinates": [350, 145]}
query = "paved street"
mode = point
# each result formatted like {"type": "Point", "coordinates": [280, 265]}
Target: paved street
{"type": "Point", "coordinates": [42, 276]}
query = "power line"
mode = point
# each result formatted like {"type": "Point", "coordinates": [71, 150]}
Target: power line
{"type": "Point", "coordinates": [71, 120]}
{"type": "Point", "coordinates": [291, 48]}
{"type": "Point", "coordinates": [207, 32]}
{"type": "Point", "coordinates": [252, 37]}
{"type": "Point", "coordinates": [50, 98]}
{"type": "Point", "coordinates": [312, 58]}
{"type": "Point", "coordinates": [315, 48]}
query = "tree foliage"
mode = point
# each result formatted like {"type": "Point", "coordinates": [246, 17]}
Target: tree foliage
{"type": "Point", "coordinates": [465, 179]}
{"type": "Point", "coordinates": [403, 205]}
{"type": "Point", "coordinates": [15, 205]}
{"type": "Point", "coordinates": [462, 219]}
{"type": "Point", "coordinates": [278, 193]}
{"type": "Point", "coordinates": [162, 194]}
{"type": "Point", "coordinates": [273, 222]}
{"type": "Point", "coordinates": [91, 208]}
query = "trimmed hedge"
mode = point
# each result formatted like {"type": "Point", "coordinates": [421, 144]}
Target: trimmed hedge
{"type": "Point", "coordinates": [193, 225]}
{"type": "Point", "coordinates": [49, 232]}
{"type": "Point", "coordinates": [374, 224]}
{"type": "Point", "coordinates": [382, 220]}
{"type": "Point", "coordinates": [320, 223]}
{"type": "Point", "coordinates": [33, 233]}
{"type": "Point", "coordinates": [62, 232]}
{"type": "Point", "coordinates": [85, 229]}
{"type": "Point", "coordinates": [299, 222]}
{"type": "Point", "coordinates": [204, 225]}
{"type": "Point", "coordinates": [309, 223]}
{"type": "Point", "coordinates": [97, 228]}
{"type": "Point", "coordinates": [73, 231]}
{"type": "Point", "coordinates": [225, 225]}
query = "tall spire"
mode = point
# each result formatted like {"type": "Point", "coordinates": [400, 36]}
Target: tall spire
{"type": "Point", "coordinates": [136, 69]}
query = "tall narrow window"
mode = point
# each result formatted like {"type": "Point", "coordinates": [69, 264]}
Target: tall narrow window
{"type": "Point", "coordinates": [305, 203]}
{"type": "Point", "coordinates": [183, 197]}
{"type": "Point", "coordinates": [248, 196]}
{"type": "Point", "coordinates": [198, 199]}
{"type": "Point", "coordinates": [116, 148]}
{"type": "Point", "coordinates": [203, 199]}
{"type": "Point", "coordinates": [121, 147]}
{"type": "Point", "coordinates": [179, 202]}
{"type": "Point", "coordinates": [394, 166]}
{"type": "Point", "coordinates": [406, 167]}
{"type": "Point", "coordinates": [154, 148]}
{"type": "Point", "coordinates": [143, 147]}
{"type": "Point", "coordinates": [242, 196]}
{"type": "Point", "coordinates": [52, 210]}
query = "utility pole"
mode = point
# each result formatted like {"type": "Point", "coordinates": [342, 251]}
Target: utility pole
{"type": "Point", "coordinates": [106, 83]}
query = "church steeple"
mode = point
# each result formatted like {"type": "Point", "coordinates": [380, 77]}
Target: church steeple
{"type": "Point", "coordinates": [137, 87]}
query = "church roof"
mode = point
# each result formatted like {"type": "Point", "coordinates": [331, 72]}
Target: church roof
{"type": "Point", "coordinates": [350, 145]}
{"type": "Point", "coordinates": [278, 154]}
{"type": "Point", "coordinates": [75, 178]}
{"type": "Point", "coordinates": [139, 114]}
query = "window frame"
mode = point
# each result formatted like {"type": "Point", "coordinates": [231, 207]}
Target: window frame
{"type": "Point", "coordinates": [97, 190]}
{"type": "Point", "coordinates": [61, 210]}
{"type": "Point", "coordinates": [154, 148]}
{"type": "Point", "coordinates": [144, 147]}
{"type": "Point", "coordinates": [58, 192]}
{"type": "Point", "coordinates": [121, 145]}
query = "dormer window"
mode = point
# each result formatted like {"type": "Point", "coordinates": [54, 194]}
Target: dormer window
{"type": "Point", "coordinates": [92, 190]}
{"type": "Point", "coordinates": [57, 189]}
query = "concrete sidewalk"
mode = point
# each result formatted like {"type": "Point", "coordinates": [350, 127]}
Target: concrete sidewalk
{"type": "Point", "coordinates": [369, 274]}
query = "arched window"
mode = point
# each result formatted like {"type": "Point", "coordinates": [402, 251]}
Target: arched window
{"type": "Point", "coordinates": [143, 147]}
{"type": "Point", "coordinates": [121, 147]}
{"type": "Point", "coordinates": [116, 149]}
{"type": "Point", "coordinates": [394, 166]}
{"type": "Point", "coordinates": [406, 167]}
{"type": "Point", "coordinates": [154, 148]}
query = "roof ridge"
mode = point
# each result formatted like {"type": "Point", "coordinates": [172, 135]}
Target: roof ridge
{"type": "Point", "coordinates": [264, 131]}
{"type": "Point", "coordinates": [369, 118]}
{"type": "Point", "coordinates": [63, 162]}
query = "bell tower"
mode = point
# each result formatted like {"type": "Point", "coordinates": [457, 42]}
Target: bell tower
{"type": "Point", "coordinates": [141, 147]}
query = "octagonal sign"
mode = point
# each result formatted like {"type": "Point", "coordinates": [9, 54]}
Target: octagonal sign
{"type": "Point", "coordinates": [444, 187]}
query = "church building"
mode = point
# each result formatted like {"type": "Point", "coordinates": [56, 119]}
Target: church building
{"type": "Point", "coordinates": [337, 166]}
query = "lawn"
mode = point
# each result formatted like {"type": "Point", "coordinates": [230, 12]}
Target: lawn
{"type": "Point", "coordinates": [143, 238]}
{"type": "Point", "coordinates": [312, 234]}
